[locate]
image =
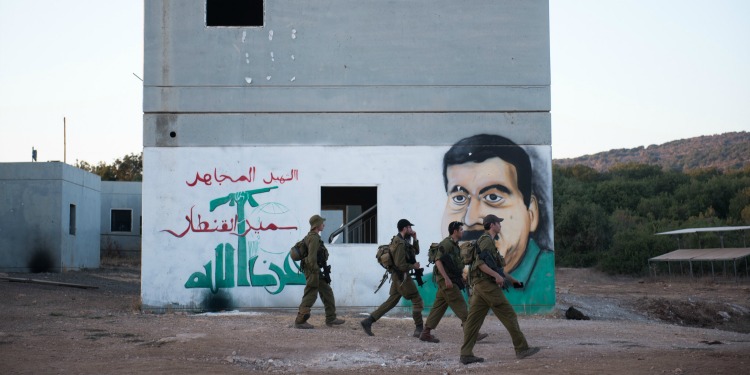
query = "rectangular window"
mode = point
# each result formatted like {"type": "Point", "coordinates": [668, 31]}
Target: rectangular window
{"type": "Point", "coordinates": [72, 220]}
{"type": "Point", "coordinates": [121, 220]}
{"type": "Point", "coordinates": [234, 13]}
{"type": "Point", "coordinates": [350, 213]}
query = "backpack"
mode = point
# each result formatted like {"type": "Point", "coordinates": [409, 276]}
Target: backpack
{"type": "Point", "coordinates": [432, 253]}
{"type": "Point", "coordinates": [384, 257]}
{"type": "Point", "coordinates": [299, 250]}
{"type": "Point", "coordinates": [469, 250]}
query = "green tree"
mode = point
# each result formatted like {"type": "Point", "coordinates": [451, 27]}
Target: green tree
{"type": "Point", "coordinates": [129, 168]}
{"type": "Point", "coordinates": [582, 233]}
{"type": "Point", "coordinates": [610, 219]}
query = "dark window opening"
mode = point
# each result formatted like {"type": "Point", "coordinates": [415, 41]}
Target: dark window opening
{"type": "Point", "coordinates": [234, 12]}
{"type": "Point", "coordinates": [121, 220]}
{"type": "Point", "coordinates": [72, 220]}
{"type": "Point", "coordinates": [351, 214]}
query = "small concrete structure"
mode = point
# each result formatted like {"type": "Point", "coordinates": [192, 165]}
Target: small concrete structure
{"type": "Point", "coordinates": [50, 217]}
{"type": "Point", "coordinates": [121, 218]}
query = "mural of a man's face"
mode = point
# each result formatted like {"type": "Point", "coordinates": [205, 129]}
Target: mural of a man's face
{"type": "Point", "coordinates": [490, 187]}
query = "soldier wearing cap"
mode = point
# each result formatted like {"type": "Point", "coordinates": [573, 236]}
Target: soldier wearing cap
{"type": "Point", "coordinates": [314, 285]}
{"type": "Point", "coordinates": [404, 253]}
{"type": "Point", "coordinates": [487, 294]}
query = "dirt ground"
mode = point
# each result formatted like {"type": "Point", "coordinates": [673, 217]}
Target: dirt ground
{"type": "Point", "coordinates": [636, 326]}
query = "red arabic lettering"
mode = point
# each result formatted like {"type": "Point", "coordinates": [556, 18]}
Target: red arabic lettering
{"type": "Point", "coordinates": [201, 226]}
{"type": "Point", "coordinates": [260, 227]}
{"type": "Point", "coordinates": [293, 175]}
{"type": "Point", "coordinates": [220, 178]}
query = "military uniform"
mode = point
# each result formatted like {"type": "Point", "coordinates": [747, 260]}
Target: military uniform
{"type": "Point", "coordinates": [313, 283]}
{"type": "Point", "coordinates": [486, 295]}
{"type": "Point", "coordinates": [447, 297]}
{"type": "Point", "coordinates": [402, 284]}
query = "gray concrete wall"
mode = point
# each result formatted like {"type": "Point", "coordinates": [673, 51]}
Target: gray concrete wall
{"type": "Point", "coordinates": [121, 195]}
{"type": "Point", "coordinates": [35, 220]}
{"type": "Point", "coordinates": [323, 72]}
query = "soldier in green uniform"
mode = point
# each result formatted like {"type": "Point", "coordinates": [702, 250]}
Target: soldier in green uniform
{"type": "Point", "coordinates": [448, 293]}
{"type": "Point", "coordinates": [404, 254]}
{"type": "Point", "coordinates": [487, 294]}
{"type": "Point", "coordinates": [314, 285]}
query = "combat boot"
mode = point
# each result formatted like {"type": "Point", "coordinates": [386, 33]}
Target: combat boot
{"type": "Point", "coordinates": [467, 359]}
{"type": "Point", "coordinates": [335, 322]}
{"type": "Point", "coordinates": [301, 322]}
{"type": "Point", "coordinates": [367, 325]}
{"type": "Point", "coordinates": [527, 352]}
{"type": "Point", "coordinates": [418, 330]}
{"type": "Point", "coordinates": [426, 336]}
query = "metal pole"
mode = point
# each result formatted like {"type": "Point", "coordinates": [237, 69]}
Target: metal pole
{"type": "Point", "coordinates": [712, 270]}
{"type": "Point", "coordinates": [65, 141]}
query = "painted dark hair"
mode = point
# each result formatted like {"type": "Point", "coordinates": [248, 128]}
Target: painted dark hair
{"type": "Point", "coordinates": [481, 147]}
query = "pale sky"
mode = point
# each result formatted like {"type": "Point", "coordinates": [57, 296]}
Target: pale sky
{"type": "Point", "coordinates": [625, 73]}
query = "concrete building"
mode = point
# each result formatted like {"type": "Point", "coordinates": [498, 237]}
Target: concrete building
{"type": "Point", "coordinates": [258, 117]}
{"type": "Point", "coordinates": [121, 218]}
{"type": "Point", "coordinates": [50, 217]}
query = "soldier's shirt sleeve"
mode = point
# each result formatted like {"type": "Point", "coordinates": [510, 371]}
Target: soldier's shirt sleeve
{"type": "Point", "coordinates": [441, 250]}
{"type": "Point", "coordinates": [399, 256]}
{"type": "Point", "coordinates": [485, 244]}
{"type": "Point", "coordinates": [313, 246]}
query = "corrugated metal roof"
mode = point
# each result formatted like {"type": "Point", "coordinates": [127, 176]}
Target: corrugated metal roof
{"type": "Point", "coordinates": [703, 255]}
{"type": "Point", "coordinates": [711, 229]}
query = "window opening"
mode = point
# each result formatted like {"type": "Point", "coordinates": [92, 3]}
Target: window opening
{"type": "Point", "coordinates": [350, 213]}
{"type": "Point", "coordinates": [72, 220]}
{"type": "Point", "coordinates": [234, 12]}
{"type": "Point", "coordinates": [121, 220]}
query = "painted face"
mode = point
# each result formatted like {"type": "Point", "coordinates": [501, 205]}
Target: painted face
{"type": "Point", "coordinates": [490, 187]}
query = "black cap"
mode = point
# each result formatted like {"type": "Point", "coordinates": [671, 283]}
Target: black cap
{"type": "Point", "coordinates": [403, 223]}
{"type": "Point", "coordinates": [491, 219]}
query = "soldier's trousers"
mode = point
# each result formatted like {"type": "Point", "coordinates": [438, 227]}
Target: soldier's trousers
{"type": "Point", "coordinates": [445, 298]}
{"type": "Point", "coordinates": [314, 286]}
{"type": "Point", "coordinates": [406, 289]}
{"type": "Point", "coordinates": [488, 295]}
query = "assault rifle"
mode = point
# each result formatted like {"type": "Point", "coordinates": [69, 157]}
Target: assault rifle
{"type": "Point", "coordinates": [418, 273]}
{"type": "Point", "coordinates": [325, 268]}
{"type": "Point", "coordinates": [489, 260]}
{"type": "Point", "coordinates": [453, 272]}
{"type": "Point", "coordinates": [382, 281]}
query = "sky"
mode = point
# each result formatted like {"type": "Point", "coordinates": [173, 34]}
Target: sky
{"type": "Point", "coordinates": [625, 73]}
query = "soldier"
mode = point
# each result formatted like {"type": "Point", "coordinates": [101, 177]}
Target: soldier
{"type": "Point", "coordinates": [404, 259]}
{"type": "Point", "coordinates": [449, 267]}
{"type": "Point", "coordinates": [317, 255]}
{"type": "Point", "coordinates": [487, 294]}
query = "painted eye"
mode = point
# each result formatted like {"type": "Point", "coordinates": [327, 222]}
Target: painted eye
{"type": "Point", "coordinates": [493, 198]}
{"type": "Point", "coordinates": [459, 199]}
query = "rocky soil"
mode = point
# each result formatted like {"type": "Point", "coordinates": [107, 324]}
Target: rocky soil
{"type": "Point", "coordinates": [635, 326]}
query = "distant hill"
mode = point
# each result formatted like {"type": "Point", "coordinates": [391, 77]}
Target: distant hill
{"type": "Point", "coordinates": [728, 151]}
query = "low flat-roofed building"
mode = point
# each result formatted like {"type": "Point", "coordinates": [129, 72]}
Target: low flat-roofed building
{"type": "Point", "coordinates": [50, 217]}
